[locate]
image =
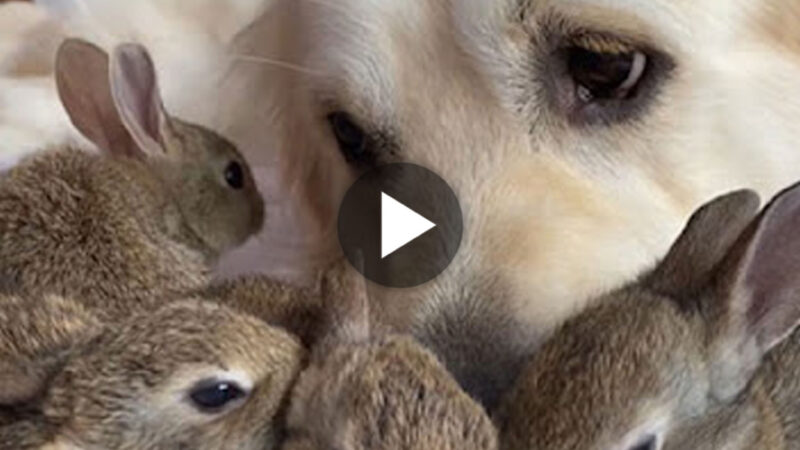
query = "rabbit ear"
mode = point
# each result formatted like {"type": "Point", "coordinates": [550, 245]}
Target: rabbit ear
{"type": "Point", "coordinates": [705, 241]}
{"type": "Point", "coordinates": [347, 301]}
{"type": "Point", "coordinates": [37, 337]}
{"type": "Point", "coordinates": [134, 86]}
{"type": "Point", "coordinates": [755, 299]}
{"type": "Point", "coordinates": [82, 80]}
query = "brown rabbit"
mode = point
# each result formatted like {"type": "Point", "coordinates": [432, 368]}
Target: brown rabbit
{"type": "Point", "coordinates": [35, 335]}
{"type": "Point", "coordinates": [379, 393]}
{"type": "Point", "coordinates": [143, 219]}
{"type": "Point", "coordinates": [296, 309]}
{"type": "Point", "coordinates": [303, 311]}
{"type": "Point", "coordinates": [191, 374]}
{"type": "Point", "coordinates": [700, 353]}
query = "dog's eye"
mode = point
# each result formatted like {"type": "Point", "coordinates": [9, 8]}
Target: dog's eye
{"type": "Point", "coordinates": [647, 443]}
{"type": "Point", "coordinates": [600, 79]}
{"type": "Point", "coordinates": [214, 396]}
{"type": "Point", "coordinates": [605, 75]}
{"type": "Point", "coordinates": [353, 141]}
{"type": "Point", "coordinates": [234, 175]}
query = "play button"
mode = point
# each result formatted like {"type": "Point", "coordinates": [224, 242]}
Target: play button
{"type": "Point", "coordinates": [400, 225]}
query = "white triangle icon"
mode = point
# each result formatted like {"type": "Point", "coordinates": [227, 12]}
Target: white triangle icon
{"type": "Point", "coordinates": [399, 225]}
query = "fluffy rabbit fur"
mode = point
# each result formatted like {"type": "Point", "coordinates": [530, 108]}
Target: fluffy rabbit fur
{"type": "Point", "coordinates": [142, 220]}
{"type": "Point", "coordinates": [366, 391]}
{"type": "Point", "coordinates": [34, 336]}
{"type": "Point", "coordinates": [700, 353]}
{"type": "Point", "coordinates": [302, 311]}
{"type": "Point", "coordinates": [157, 363]}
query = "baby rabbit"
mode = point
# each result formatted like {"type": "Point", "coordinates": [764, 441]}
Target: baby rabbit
{"type": "Point", "coordinates": [191, 375]}
{"type": "Point", "coordinates": [365, 392]}
{"type": "Point", "coordinates": [303, 311]}
{"type": "Point", "coordinates": [143, 219]}
{"type": "Point", "coordinates": [298, 310]}
{"type": "Point", "coordinates": [700, 353]}
{"type": "Point", "coordinates": [35, 336]}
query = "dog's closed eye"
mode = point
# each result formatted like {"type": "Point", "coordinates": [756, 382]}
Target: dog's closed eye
{"type": "Point", "coordinates": [352, 139]}
{"type": "Point", "coordinates": [361, 148]}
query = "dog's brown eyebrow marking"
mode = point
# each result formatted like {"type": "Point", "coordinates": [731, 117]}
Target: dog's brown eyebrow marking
{"type": "Point", "coordinates": [603, 43]}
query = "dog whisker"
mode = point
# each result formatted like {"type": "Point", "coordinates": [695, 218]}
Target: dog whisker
{"type": "Point", "coordinates": [277, 63]}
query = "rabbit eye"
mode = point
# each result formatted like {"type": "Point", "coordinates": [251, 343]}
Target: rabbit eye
{"type": "Point", "coordinates": [647, 443]}
{"type": "Point", "coordinates": [213, 396]}
{"type": "Point", "coordinates": [234, 175]}
{"type": "Point", "coordinates": [603, 75]}
{"type": "Point", "coordinates": [353, 141]}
